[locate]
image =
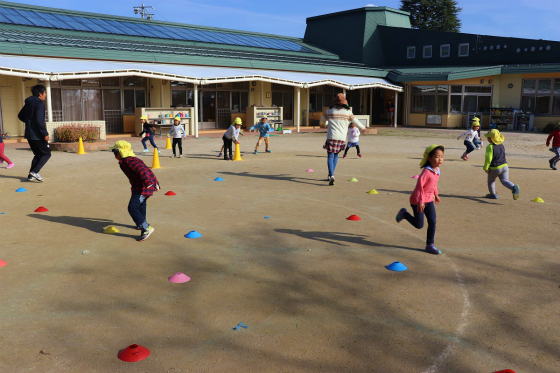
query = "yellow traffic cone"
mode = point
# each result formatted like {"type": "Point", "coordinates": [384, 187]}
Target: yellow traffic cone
{"type": "Point", "coordinates": [168, 144]}
{"type": "Point", "coordinates": [81, 147]}
{"type": "Point", "coordinates": [155, 164]}
{"type": "Point", "coordinates": [237, 155]}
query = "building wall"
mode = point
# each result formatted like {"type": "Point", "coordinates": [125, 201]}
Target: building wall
{"type": "Point", "coordinates": [11, 102]}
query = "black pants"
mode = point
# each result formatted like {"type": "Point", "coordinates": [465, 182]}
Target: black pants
{"type": "Point", "coordinates": [347, 147]}
{"type": "Point", "coordinates": [179, 142]}
{"type": "Point", "coordinates": [417, 220]}
{"type": "Point", "coordinates": [228, 143]}
{"type": "Point", "coordinates": [42, 152]}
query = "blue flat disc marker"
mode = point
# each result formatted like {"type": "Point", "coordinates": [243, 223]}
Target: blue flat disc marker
{"type": "Point", "coordinates": [218, 179]}
{"type": "Point", "coordinates": [396, 266]}
{"type": "Point", "coordinates": [21, 190]}
{"type": "Point", "coordinates": [193, 234]}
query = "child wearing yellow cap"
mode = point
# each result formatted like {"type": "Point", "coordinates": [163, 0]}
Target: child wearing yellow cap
{"type": "Point", "coordinates": [230, 137]}
{"type": "Point", "coordinates": [178, 132]}
{"type": "Point", "coordinates": [147, 129]}
{"type": "Point", "coordinates": [423, 197]}
{"type": "Point", "coordinates": [143, 184]}
{"type": "Point", "coordinates": [237, 120]}
{"type": "Point", "coordinates": [471, 139]}
{"type": "Point", "coordinates": [495, 165]}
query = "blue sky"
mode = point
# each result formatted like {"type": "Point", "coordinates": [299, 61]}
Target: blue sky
{"type": "Point", "coordinates": [532, 19]}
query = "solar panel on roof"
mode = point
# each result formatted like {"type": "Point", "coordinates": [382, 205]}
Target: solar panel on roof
{"type": "Point", "coordinates": [61, 21]}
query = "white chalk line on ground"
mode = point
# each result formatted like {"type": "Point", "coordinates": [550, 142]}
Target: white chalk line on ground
{"type": "Point", "coordinates": [461, 327]}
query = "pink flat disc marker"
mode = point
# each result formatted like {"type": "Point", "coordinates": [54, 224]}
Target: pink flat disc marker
{"type": "Point", "coordinates": [179, 278]}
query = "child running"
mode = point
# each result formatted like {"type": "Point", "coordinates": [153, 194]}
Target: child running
{"type": "Point", "coordinates": [143, 182]}
{"type": "Point", "coordinates": [230, 136]}
{"type": "Point", "coordinates": [495, 165]}
{"type": "Point", "coordinates": [353, 138]}
{"type": "Point", "coordinates": [555, 136]}
{"type": "Point", "coordinates": [177, 131]}
{"type": "Point", "coordinates": [264, 128]}
{"type": "Point", "coordinates": [470, 135]}
{"type": "Point", "coordinates": [424, 195]}
{"type": "Point", "coordinates": [148, 130]}
{"type": "Point", "coordinates": [3, 158]}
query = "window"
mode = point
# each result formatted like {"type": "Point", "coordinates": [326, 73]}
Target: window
{"type": "Point", "coordinates": [464, 50]}
{"type": "Point", "coordinates": [134, 98]}
{"type": "Point", "coordinates": [444, 50]}
{"type": "Point", "coordinates": [430, 99]}
{"type": "Point", "coordinates": [427, 51]}
{"type": "Point", "coordinates": [411, 52]}
{"type": "Point", "coordinates": [182, 94]}
{"type": "Point", "coordinates": [464, 99]}
{"type": "Point", "coordinates": [541, 96]}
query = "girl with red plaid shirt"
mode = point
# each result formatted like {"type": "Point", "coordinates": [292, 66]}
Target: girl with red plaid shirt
{"type": "Point", "coordinates": [338, 116]}
{"type": "Point", "coordinates": [143, 184]}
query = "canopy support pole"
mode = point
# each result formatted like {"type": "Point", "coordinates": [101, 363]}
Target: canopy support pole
{"type": "Point", "coordinates": [370, 106]}
{"type": "Point", "coordinates": [298, 109]}
{"type": "Point", "coordinates": [396, 107]}
{"type": "Point", "coordinates": [195, 112]}
{"type": "Point", "coordinates": [49, 101]}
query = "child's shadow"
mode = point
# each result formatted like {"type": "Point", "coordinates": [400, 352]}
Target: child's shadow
{"type": "Point", "coordinates": [470, 198]}
{"type": "Point", "coordinates": [20, 178]}
{"type": "Point", "coordinates": [341, 239]}
{"type": "Point", "coordinates": [92, 224]}
{"type": "Point", "coordinates": [281, 177]}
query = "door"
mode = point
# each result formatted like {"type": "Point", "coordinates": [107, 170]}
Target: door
{"type": "Point", "coordinates": [208, 103]}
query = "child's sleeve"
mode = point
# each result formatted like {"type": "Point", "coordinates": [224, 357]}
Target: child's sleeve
{"type": "Point", "coordinates": [488, 157]}
{"type": "Point", "coordinates": [549, 138]}
{"type": "Point", "coordinates": [463, 134]}
{"type": "Point", "coordinates": [357, 122]}
{"type": "Point", "coordinates": [418, 193]}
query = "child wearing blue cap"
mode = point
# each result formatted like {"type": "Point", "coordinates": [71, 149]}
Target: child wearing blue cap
{"type": "Point", "coordinates": [264, 128]}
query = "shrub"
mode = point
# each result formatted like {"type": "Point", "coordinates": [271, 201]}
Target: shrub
{"type": "Point", "coordinates": [72, 132]}
{"type": "Point", "coordinates": [551, 127]}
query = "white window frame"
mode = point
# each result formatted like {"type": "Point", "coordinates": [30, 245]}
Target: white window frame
{"type": "Point", "coordinates": [468, 49]}
{"type": "Point", "coordinates": [408, 49]}
{"type": "Point", "coordinates": [424, 51]}
{"type": "Point", "coordinates": [441, 50]}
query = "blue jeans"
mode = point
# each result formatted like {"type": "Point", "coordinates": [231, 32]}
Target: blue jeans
{"type": "Point", "coordinates": [470, 146]}
{"type": "Point", "coordinates": [332, 160]}
{"type": "Point", "coordinates": [477, 143]}
{"type": "Point", "coordinates": [417, 220]}
{"type": "Point", "coordinates": [151, 138]}
{"type": "Point", "coordinates": [137, 210]}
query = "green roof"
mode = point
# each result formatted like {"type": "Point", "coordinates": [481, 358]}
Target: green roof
{"type": "Point", "coordinates": [57, 19]}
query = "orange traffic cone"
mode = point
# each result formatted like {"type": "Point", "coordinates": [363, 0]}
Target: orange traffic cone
{"type": "Point", "coordinates": [81, 147]}
{"type": "Point", "coordinates": [237, 155]}
{"type": "Point", "coordinates": [155, 163]}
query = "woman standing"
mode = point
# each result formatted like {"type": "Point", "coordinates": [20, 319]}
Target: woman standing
{"type": "Point", "coordinates": [338, 117]}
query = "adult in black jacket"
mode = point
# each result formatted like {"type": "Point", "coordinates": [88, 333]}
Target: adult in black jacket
{"type": "Point", "coordinates": [33, 115]}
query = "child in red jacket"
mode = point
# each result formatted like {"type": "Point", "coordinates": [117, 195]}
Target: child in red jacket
{"type": "Point", "coordinates": [555, 147]}
{"type": "Point", "coordinates": [143, 184]}
{"type": "Point", "coordinates": [424, 195]}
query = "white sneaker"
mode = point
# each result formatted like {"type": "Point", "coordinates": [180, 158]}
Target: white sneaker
{"type": "Point", "coordinates": [36, 176]}
{"type": "Point", "coordinates": [180, 155]}
{"type": "Point", "coordinates": [331, 181]}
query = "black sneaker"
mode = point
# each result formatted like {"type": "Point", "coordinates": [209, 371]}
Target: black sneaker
{"type": "Point", "coordinates": [30, 177]}
{"type": "Point", "coordinates": [146, 233]}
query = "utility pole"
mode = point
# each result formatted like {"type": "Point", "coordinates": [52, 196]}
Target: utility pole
{"type": "Point", "coordinates": [144, 12]}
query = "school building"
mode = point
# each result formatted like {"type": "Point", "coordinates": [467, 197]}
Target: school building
{"type": "Point", "coordinates": [107, 69]}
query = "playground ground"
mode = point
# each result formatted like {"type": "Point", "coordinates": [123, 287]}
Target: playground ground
{"type": "Point", "coordinates": [311, 285]}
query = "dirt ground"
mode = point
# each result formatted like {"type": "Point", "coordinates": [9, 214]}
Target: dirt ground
{"type": "Point", "coordinates": [311, 285]}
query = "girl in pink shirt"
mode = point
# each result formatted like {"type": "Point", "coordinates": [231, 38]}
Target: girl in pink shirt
{"type": "Point", "coordinates": [424, 195]}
